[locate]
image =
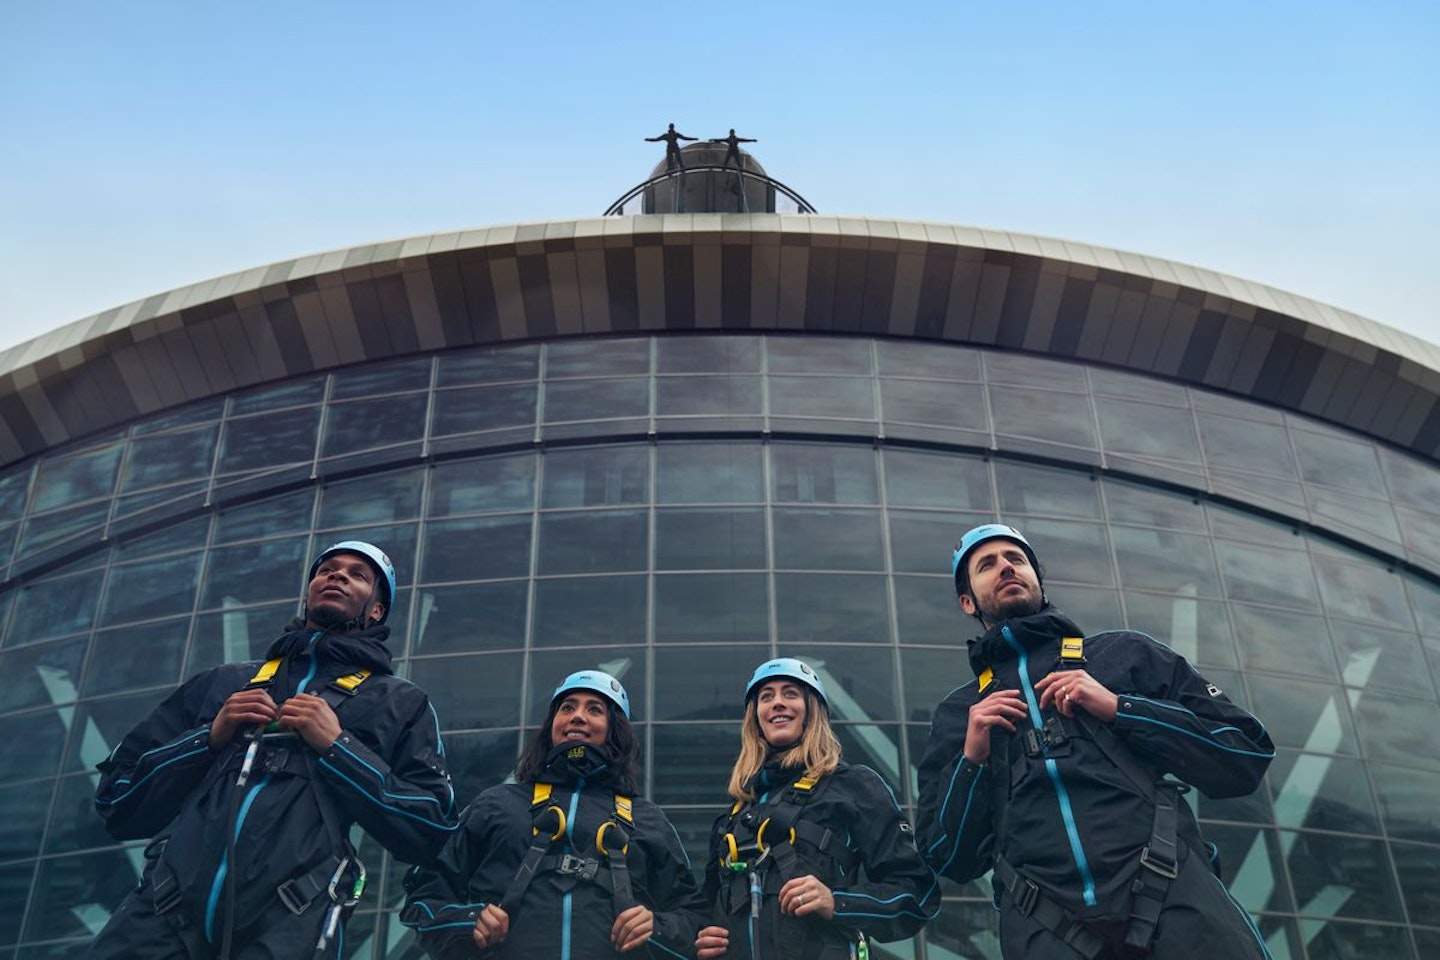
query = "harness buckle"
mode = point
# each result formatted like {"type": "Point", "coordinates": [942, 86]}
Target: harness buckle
{"type": "Point", "coordinates": [290, 895]}
{"type": "Point", "coordinates": [1033, 745]}
{"type": "Point", "coordinates": [1168, 868]}
{"type": "Point", "coordinates": [581, 867]}
{"type": "Point", "coordinates": [1026, 894]}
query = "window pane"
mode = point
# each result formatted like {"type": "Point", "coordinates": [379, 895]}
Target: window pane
{"type": "Point", "coordinates": [1146, 430]}
{"type": "Point", "coordinates": [830, 397]}
{"type": "Point", "coordinates": [1038, 491]}
{"type": "Point", "coordinates": [1321, 793]}
{"type": "Point", "coordinates": [709, 473]}
{"type": "Point", "coordinates": [806, 473]}
{"type": "Point", "coordinates": [1161, 560]}
{"type": "Point", "coordinates": [52, 608]}
{"type": "Point", "coordinates": [596, 476]}
{"type": "Point", "coordinates": [1253, 572]}
{"type": "Point", "coordinates": [570, 400]}
{"type": "Point", "coordinates": [129, 658]}
{"type": "Point", "coordinates": [158, 588]}
{"type": "Point", "coordinates": [30, 744]}
{"type": "Point", "coordinates": [367, 424]}
{"type": "Point", "coordinates": [478, 761]}
{"type": "Point", "coordinates": [549, 667]}
{"type": "Point", "coordinates": [483, 486]}
{"type": "Point", "coordinates": [589, 610]}
{"type": "Point", "coordinates": [1341, 877]}
{"type": "Point", "coordinates": [692, 753]}
{"type": "Point", "coordinates": [451, 684]}
{"type": "Point", "coordinates": [41, 674]}
{"type": "Point", "coordinates": [1283, 642]}
{"type": "Point", "coordinates": [236, 634]}
{"type": "Point", "coordinates": [923, 542]}
{"type": "Point", "coordinates": [374, 498]}
{"type": "Point", "coordinates": [1062, 418]}
{"type": "Point", "coordinates": [826, 539]}
{"type": "Point", "coordinates": [709, 538]}
{"type": "Point", "coordinates": [1418, 881]}
{"type": "Point", "coordinates": [1364, 591]}
{"type": "Point", "coordinates": [959, 406]}
{"type": "Point", "coordinates": [73, 823]}
{"type": "Point", "coordinates": [704, 683]}
{"type": "Point", "coordinates": [289, 513]}
{"type": "Point", "coordinates": [1072, 552]}
{"type": "Point", "coordinates": [908, 358]}
{"type": "Point", "coordinates": [482, 548]}
{"type": "Point", "coordinates": [588, 358]}
{"type": "Point", "coordinates": [707, 354]}
{"type": "Point", "coordinates": [1126, 503]}
{"type": "Point", "coordinates": [1246, 445]}
{"type": "Point", "coordinates": [1198, 630]}
{"type": "Point", "coordinates": [812, 607]}
{"type": "Point", "coordinates": [75, 477]}
{"type": "Point", "coordinates": [709, 396]}
{"type": "Point", "coordinates": [488, 365]}
{"type": "Point", "coordinates": [170, 457]}
{"type": "Point", "coordinates": [593, 542]}
{"type": "Point", "coordinates": [930, 674]}
{"type": "Point", "coordinates": [477, 409]}
{"type": "Point", "coordinates": [814, 355]}
{"type": "Point", "coordinates": [1398, 728]}
{"type": "Point", "coordinates": [926, 611]}
{"type": "Point", "coordinates": [481, 616]}
{"type": "Point", "coordinates": [1407, 801]}
{"type": "Point", "coordinates": [932, 480]}
{"type": "Point", "coordinates": [254, 572]}
{"type": "Point", "coordinates": [376, 378]}
{"type": "Point", "coordinates": [295, 393]}
{"type": "Point", "coordinates": [711, 606]}
{"type": "Point", "coordinates": [1381, 658]}
{"type": "Point", "coordinates": [254, 443]}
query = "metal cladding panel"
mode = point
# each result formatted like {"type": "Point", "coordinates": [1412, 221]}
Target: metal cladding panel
{"type": "Point", "coordinates": [736, 272]}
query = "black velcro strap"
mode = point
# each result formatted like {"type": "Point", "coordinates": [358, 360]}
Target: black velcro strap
{"type": "Point", "coordinates": [1025, 895]}
{"type": "Point", "coordinates": [529, 866]}
{"type": "Point", "coordinates": [1159, 864]}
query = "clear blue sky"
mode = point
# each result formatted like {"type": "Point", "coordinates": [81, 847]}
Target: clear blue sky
{"type": "Point", "coordinates": [148, 145]}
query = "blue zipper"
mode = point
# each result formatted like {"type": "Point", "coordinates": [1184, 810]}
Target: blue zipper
{"type": "Point", "coordinates": [565, 903]}
{"type": "Point", "coordinates": [1067, 813]}
{"type": "Point", "coordinates": [214, 900]}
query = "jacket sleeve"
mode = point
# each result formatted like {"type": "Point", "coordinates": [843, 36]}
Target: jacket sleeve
{"type": "Point", "coordinates": [1190, 729]}
{"type": "Point", "coordinates": [680, 909]}
{"type": "Point", "coordinates": [900, 893]}
{"type": "Point", "coordinates": [438, 905]}
{"type": "Point", "coordinates": [954, 813]}
{"type": "Point", "coordinates": [147, 777]}
{"type": "Point", "coordinates": [404, 799]}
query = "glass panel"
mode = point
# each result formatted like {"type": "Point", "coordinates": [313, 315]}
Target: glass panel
{"type": "Point", "coordinates": [1363, 591]}
{"type": "Point", "coordinates": [1115, 383]}
{"type": "Point", "coordinates": [377, 378]}
{"type": "Point", "coordinates": [73, 823]}
{"type": "Point", "coordinates": [1334, 461]}
{"type": "Point", "coordinates": [593, 542]}
{"type": "Point", "coordinates": [451, 683]}
{"type": "Point", "coordinates": [254, 443]}
{"type": "Point", "coordinates": [589, 358]}
{"type": "Point", "coordinates": [850, 398]}
{"type": "Point", "coordinates": [254, 572]}
{"type": "Point", "coordinates": [158, 588]}
{"type": "Point", "coordinates": [704, 683]}
{"type": "Point", "coordinates": [596, 476]}
{"type": "Point", "coordinates": [709, 396]}
{"type": "Point", "coordinates": [923, 542]}
{"type": "Point", "coordinates": [1146, 430]}
{"type": "Point", "coordinates": [285, 395]}
{"type": "Point", "coordinates": [141, 656]}
{"type": "Point", "coordinates": [373, 498]}
{"type": "Point", "coordinates": [1373, 520]}
{"type": "Point", "coordinates": [170, 457]}
{"type": "Point", "coordinates": [1283, 642]}
{"type": "Point", "coordinates": [233, 635]}
{"type": "Point", "coordinates": [41, 674]}
{"type": "Point", "coordinates": [30, 744]}
{"type": "Point", "coordinates": [1093, 608]}
{"type": "Point", "coordinates": [1381, 658]}
{"type": "Point", "coordinates": [52, 608]}
{"type": "Point", "coordinates": [1253, 572]}
{"type": "Point", "coordinates": [73, 894]}
{"type": "Point", "coordinates": [1025, 370]}
{"type": "Point", "coordinates": [932, 480]}
{"type": "Point", "coordinates": [1407, 801]}
{"type": "Point", "coordinates": [1037, 491]}
{"type": "Point", "coordinates": [570, 400]}
{"type": "Point", "coordinates": [711, 606]}
{"type": "Point", "coordinates": [41, 531]}
{"type": "Point", "coordinates": [1419, 881]}
{"type": "Point", "coordinates": [930, 674]}
{"type": "Point", "coordinates": [1340, 877]}
{"type": "Point", "coordinates": [367, 424]}
{"type": "Point", "coordinates": [101, 724]}
{"type": "Point", "coordinates": [714, 538]}
{"type": "Point", "coordinates": [810, 607]}
{"type": "Point", "coordinates": [877, 746]}
{"type": "Point", "coordinates": [478, 761]}
{"type": "Point", "coordinates": [476, 409]}
{"type": "Point", "coordinates": [589, 610]}
{"type": "Point", "coordinates": [1303, 715]}
{"type": "Point", "coordinates": [827, 539]}
{"type": "Point", "coordinates": [1126, 503]}
{"type": "Point", "coordinates": [486, 616]}
{"type": "Point", "coordinates": [1398, 728]}
{"type": "Point", "coordinates": [693, 753]}
{"type": "Point", "coordinates": [289, 513]}
{"type": "Point", "coordinates": [1246, 445]}
{"type": "Point", "coordinates": [1198, 630]}
{"type": "Point", "coordinates": [960, 406]}
{"type": "Point", "coordinates": [481, 486]}
{"type": "Point", "coordinates": [926, 611]}
{"type": "Point", "coordinates": [1321, 793]}
{"type": "Point", "coordinates": [907, 358]}
{"type": "Point", "coordinates": [709, 473]}
{"type": "Point", "coordinates": [1063, 418]}
{"type": "Point", "coordinates": [1071, 552]}
{"type": "Point", "coordinates": [549, 667]}
{"type": "Point", "coordinates": [15, 882]}
{"type": "Point", "coordinates": [1336, 940]}
{"type": "Point", "coordinates": [76, 477]}
{"type": "Point", "coordinates": [814, 355]}
{"type": "Point", "coordinates": [1161, 560]}
{"type": "Point", "coordinates": [707, 355]}
{"type": "Point", "coordinates": [1251, 860]}
{"type": "Point", "coordinates": [482, 548]}
{"type": "Point", "coordinates": [808, 473]}
{"type": "Point", "coordinates": [488, 365]}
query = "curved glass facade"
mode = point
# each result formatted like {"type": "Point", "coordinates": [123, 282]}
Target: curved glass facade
{"type": "Point", "coordinates": [676, 509]}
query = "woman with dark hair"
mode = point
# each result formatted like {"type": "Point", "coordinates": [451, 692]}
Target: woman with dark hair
{"type": "Point", "coordinates": [814, 857]}
{"type": "Point", "coordinates": [568, 861]}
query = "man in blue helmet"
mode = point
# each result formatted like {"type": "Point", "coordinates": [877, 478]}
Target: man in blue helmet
{"type": "Point", "coordinates": [1051, 769]}
{"type": "Point", "coordinates": [249, 778]}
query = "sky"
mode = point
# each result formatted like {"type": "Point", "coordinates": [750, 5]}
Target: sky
{"type": "Point", "coordinates": [151, 145]}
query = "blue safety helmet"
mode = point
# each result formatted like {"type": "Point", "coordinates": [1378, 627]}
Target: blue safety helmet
{"type": "Point", "coordinates": [790, 669]}
{"type": "Point", "coordinates": [984, 534]}
{"type": "Point", "coordinates": [377, 559]}
{"type": "Point", "coordinates": [595, 681]}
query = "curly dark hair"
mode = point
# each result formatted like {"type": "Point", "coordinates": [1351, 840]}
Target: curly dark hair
{"type": "Point", "coordinates": [621, 744]}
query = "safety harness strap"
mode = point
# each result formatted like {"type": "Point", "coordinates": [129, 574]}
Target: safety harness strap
{"type": "Point", "coordinates": [612, 842]}
{"type": "Point", "coordinates": [1026, 896]}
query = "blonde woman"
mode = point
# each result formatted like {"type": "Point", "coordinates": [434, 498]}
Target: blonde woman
{"type": "Point", "coordinates": [814, 857]}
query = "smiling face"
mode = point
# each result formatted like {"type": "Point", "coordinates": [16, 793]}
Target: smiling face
{"type": "Point", "coordinates": [1002, 583]}
{"type": "Point", "coordinates": [780, 709]}
{"type": "Point", "coordinates": [581, 718]}
{"type": "Point", "coordinates": [343, 589]}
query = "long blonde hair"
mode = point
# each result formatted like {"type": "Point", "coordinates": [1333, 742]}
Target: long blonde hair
{"type": "Point", "coordinates": [817, 751]}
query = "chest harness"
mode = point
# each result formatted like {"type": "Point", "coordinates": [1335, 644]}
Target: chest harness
{"type": "Point", "coordinates": [1159, 858]}
{"type": "Point", "coordinates": [340, 877]}
{"type": "Point", "coordinates": [607, 869]}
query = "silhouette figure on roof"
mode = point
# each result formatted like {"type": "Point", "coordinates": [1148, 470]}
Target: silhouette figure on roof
{"type": "Point", "coordinates": [672, 138]}
{"type": "Point", "coordinates": [733, 153]}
